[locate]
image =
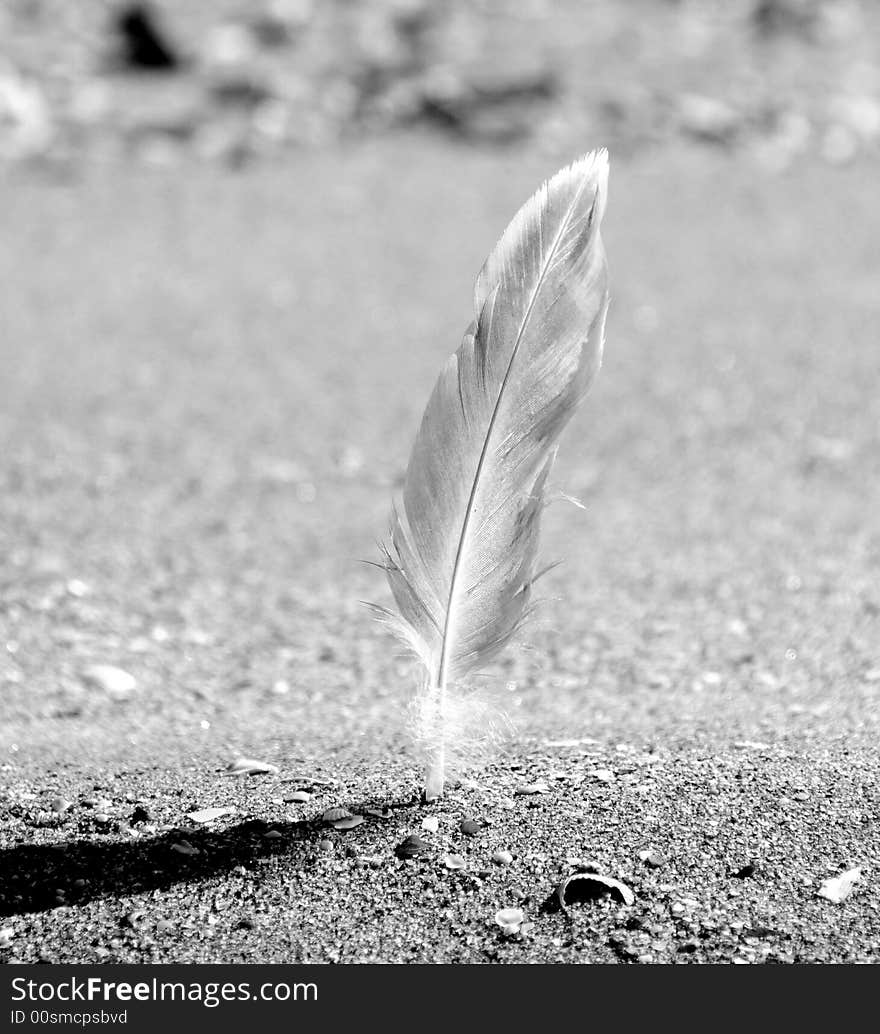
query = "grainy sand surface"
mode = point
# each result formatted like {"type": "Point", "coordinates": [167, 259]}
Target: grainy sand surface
{"type": "Point", "coordinates": [210, 385]}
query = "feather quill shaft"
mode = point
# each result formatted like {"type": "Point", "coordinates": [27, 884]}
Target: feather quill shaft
{"type": "Point", "coordinates": [464, 536]}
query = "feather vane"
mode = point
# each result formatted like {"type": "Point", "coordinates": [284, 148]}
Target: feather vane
{"type": "Point", "coordinates": [464, 537]}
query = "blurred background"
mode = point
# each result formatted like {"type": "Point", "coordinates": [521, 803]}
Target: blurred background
{"type": "Point", "coordinates": [232, 81]}
{"type": "Point", "coordinates": [238, 241]}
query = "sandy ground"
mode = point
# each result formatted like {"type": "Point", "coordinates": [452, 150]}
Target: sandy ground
{"type": "Point", "coordinates": [210, 385]}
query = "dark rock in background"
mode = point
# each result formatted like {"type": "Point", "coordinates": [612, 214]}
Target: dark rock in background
{"type": "Point", "coordinates": [143, 45]}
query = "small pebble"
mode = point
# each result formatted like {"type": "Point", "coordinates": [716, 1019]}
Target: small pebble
{"type": "Point", "coordinates": [110, 679]}
{"type": "Point", "coordinates": [583, 865]}
{"type": "Point", "coordinates": [60, 805]}
{"type": "Point", "coordinates": [139, 816]}
{"type": "Point", "coordinates": [470, 827]}
{"type": "Point", "coordinates": [502, 857]}
{"type": "Point", "coordinates": [298, 797]}
{"type": "Point", "coordinates": [430, 824]}
{"type": "Point", "coordinates": [206, 815]}
{"type": "Point", "coordinates": [653, 859]}
{"type": "Point", "coordinates": [529, 789]}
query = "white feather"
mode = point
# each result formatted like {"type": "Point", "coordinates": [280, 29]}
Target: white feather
{"type": "Point", "coordinates": [464, 537]}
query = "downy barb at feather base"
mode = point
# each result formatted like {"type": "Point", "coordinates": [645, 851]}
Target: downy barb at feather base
{"type": "Point", "coordinates": [464, 535]}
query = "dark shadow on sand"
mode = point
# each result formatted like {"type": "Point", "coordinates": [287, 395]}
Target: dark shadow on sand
{"type": "Point", "coordinates": [32, 875]}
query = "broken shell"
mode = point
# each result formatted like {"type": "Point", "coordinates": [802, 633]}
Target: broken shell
{"type": "Point", "coordinates": [587, 886]}
{"type": "Point", "coordinates": [379, 813]}
{"type": "Point", "coordinates": [653, 859]}
{"type": "Point", "coordinates": [209, 814]}
{"type": "Point", "coordinates": [347, 822]}
{"type": "Point", "coordinates": [249, 766]}
{"type": "Point", "coordinates": [412, 847]}
{"type": "Point", "coordinates": [510, 920]}
{"type": "Point", "coordinates": [332, 815]}
{"type": "Point", "coordinates": [839, 888]}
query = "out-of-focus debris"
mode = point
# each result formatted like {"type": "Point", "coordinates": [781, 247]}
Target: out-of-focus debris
{"type": "Point", "coordinates": [708, 118]}
{"type": "Point", "coordinates": [500, 109]}
{"type": "Point", "coordinates": [839, 145]}
{"type": "Point", "coordinates": [142, 44]}
{"type": "Point", "coordinates": [110, 679]}
{"type": "Point", "coordinates": [839, 888]}
{"type": "Point", "coordinates": [26, 126]}
{"type": "Point", "coordinates": [782, 17]}
{"type": "Point", "coordinates": [248, 80]}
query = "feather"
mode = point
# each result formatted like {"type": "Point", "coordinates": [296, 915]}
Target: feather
{"type": "Point", "coordinates": [464, 536]}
